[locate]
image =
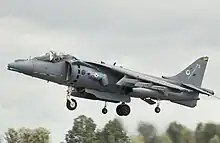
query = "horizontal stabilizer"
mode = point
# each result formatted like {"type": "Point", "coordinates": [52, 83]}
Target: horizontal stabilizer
{"type": "Point", "coordinates": [200, 90]}
{"type": "Point", "coordinates": [208, 90]}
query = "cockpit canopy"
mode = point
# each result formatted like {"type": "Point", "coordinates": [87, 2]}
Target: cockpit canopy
{"type": "Point", "coordinates": [54, 57]}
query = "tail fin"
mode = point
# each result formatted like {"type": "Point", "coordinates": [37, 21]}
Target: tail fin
{"type": "Point", "coordinates": [194, 73]}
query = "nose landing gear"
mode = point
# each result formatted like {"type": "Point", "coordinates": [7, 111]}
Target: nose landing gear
{"type": "Point", "coordinates": [71, 103]}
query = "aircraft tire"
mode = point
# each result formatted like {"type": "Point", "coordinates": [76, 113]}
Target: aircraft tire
{"type": "Point", "coordinates": [118, 110]}
{"type": "Point", "coordinates": [71, 105]}
{"type": "Point", "coordinates": [123, 110]}
{"type": "Point", "coordinates": [104, 111]}
{"type": "Point", "coordinates": [157, 109]}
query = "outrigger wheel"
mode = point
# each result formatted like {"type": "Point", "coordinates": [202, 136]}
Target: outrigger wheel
{"type": "Point", "coordinates": [105, 110]}
{"type": "Point", "coordinates": [157, 109]}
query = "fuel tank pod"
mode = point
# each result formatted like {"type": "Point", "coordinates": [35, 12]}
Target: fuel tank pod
{"type": "Point", "coordinates": [144, 93]}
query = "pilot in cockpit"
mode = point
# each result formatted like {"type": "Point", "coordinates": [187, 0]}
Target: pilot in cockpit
{"type": "Point", "coordinates": [54, 57]}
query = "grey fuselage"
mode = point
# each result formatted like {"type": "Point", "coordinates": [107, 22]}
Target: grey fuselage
{"type": "Point", "coordinates": [81, 76]}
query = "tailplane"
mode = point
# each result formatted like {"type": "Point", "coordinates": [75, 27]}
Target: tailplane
{"type": "Point", "coordinates": [193, 74]}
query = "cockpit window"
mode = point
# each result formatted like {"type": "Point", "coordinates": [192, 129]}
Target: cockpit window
{"type": "Point", "coordinates": [54, 57]}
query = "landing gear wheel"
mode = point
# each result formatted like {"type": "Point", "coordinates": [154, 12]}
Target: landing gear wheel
{"type": "Point", "coordinates": [104, 111]}
{"type": "Point", "coordinates": [118, 110]}
{"type": "Point", "coordinates": [71, 104]}
{"type": "Point", "coordinates": [126, 110]}
{"type": "Point", "coordinates": [123, 110]}
{"type": "Point", "coordinates": [157, 109]}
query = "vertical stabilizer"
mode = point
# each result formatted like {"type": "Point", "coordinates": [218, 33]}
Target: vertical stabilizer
{"type": "Point", "coordinates": [194, 73]}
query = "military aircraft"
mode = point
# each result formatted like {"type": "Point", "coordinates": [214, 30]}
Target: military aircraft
{"type": "Point", "coordinates": [115, 84]}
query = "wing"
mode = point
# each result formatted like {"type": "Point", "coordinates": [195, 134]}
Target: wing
{"type": "Point", "coordinates": [132, 77]}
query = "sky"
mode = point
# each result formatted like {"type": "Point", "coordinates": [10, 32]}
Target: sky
{"type": "Point", "coordinates": [153, 37]}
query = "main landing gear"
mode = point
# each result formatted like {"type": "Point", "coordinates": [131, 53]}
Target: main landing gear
{"type": "Point", "coordinates": [123, 109]}
{"type": "Point", "coordinates": [71, 103]}
{"type": "Point", "coordinates": [157, 109]}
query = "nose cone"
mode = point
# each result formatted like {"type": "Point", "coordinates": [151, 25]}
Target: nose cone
{"type": "Point", "coordinates": [22, 66]}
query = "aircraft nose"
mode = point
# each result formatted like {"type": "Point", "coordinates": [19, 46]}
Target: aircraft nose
{"type": "Point", "coordinates": [23, 66]}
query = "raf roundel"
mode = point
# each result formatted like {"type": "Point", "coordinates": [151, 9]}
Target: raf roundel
{"type": "Point", "coordinates": [96, 75]}
{"type": "Point", "coordinates": [187, 72]}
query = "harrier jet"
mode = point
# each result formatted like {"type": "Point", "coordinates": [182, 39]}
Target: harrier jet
{"type": "Point", "coordinates": [115, 84]}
